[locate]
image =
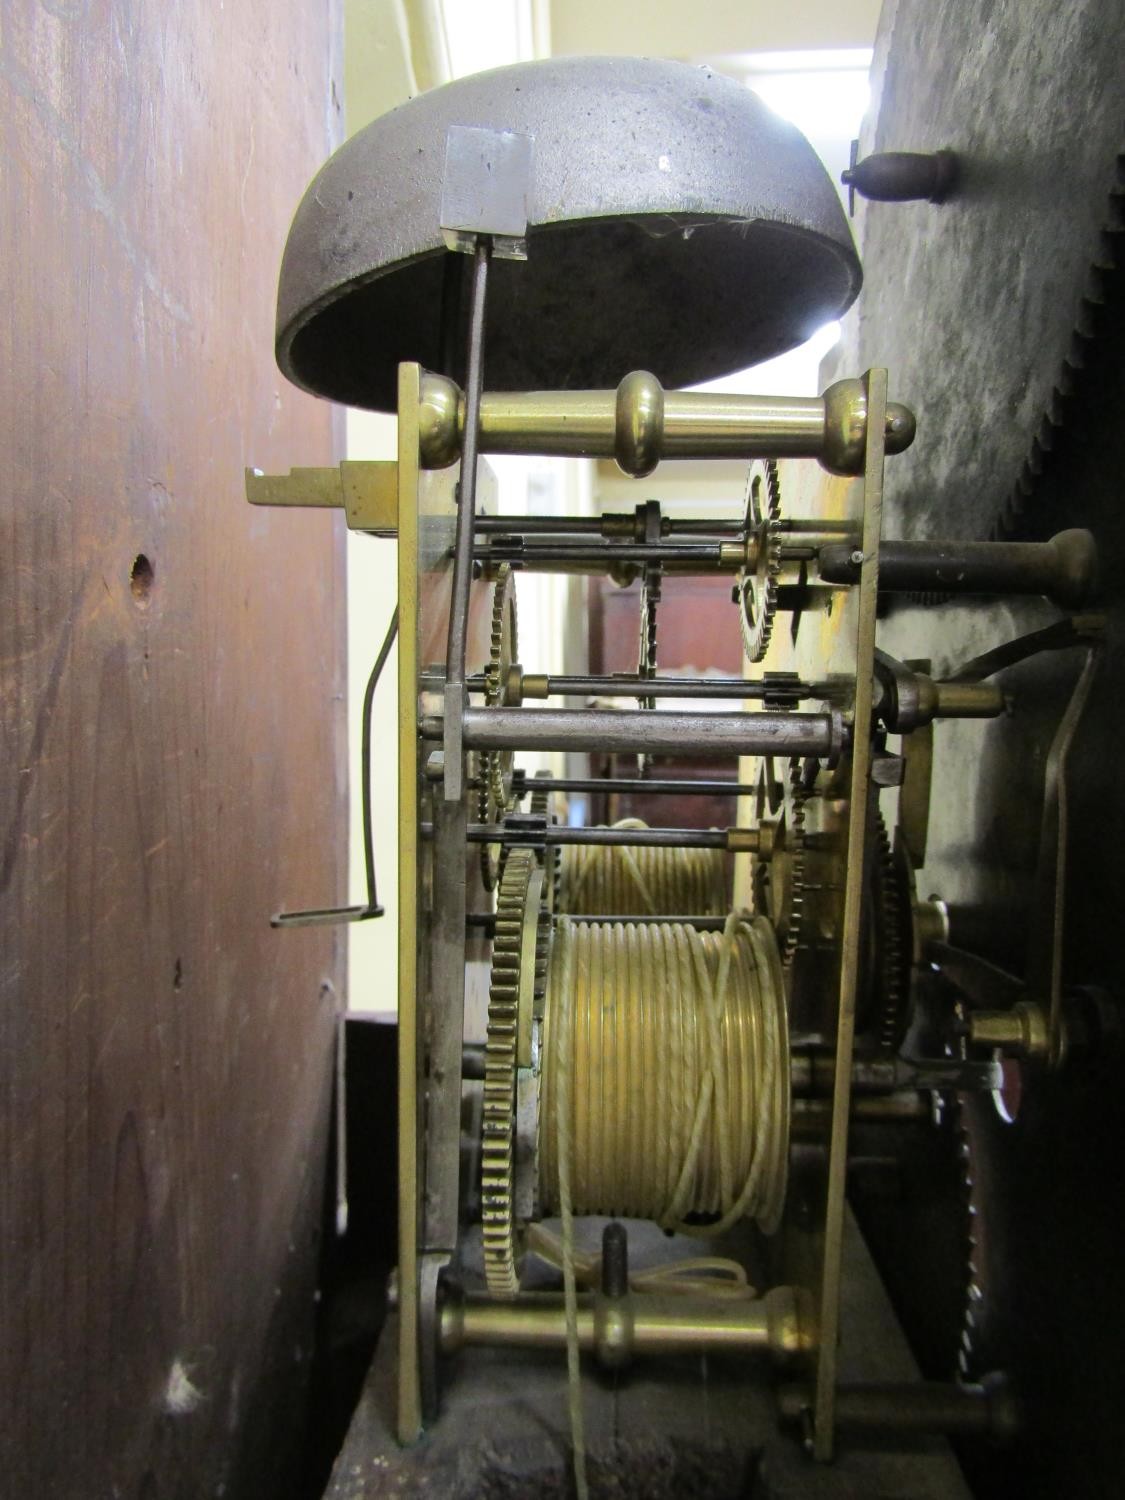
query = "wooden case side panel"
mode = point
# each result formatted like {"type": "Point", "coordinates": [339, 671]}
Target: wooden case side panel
{"type": "Point", "coordinates": [171, 711]}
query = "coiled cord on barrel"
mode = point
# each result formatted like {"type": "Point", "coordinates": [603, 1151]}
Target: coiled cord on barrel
{"type": "Point", "coordinates": [559, 1134]}
{"type": "Point", "coordinates": [676, 1063]}
{"type": "Point", "coordinates": [597, 880]}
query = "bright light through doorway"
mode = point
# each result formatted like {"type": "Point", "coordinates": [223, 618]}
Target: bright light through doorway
{"type": "Point", "coordinates": [825, 94]}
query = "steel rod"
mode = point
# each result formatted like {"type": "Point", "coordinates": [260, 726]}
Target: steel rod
{"type": "Point", "coordinates": [604, 554]}
{"type": "Point", "coordinates": [676, 687]}
{"type": "Point", "coordinates": [814, 1073]}
{"type": "Point", "coordinates": [812, 1117]}
{"type": "Point", "coordinates": [608, 525]}
{"type": "Point", "coordinates": [614, 838]}
{"type": "Point", "coordinates": [625, 784]}
{"type": "Point", "coordinates": [538, 525]}
{"type": "Point", "coordinates": [467, 486]}
{"type": "Point", "coordinates": [611, 730]}
{"type": "Point", "coordinates": [881, 1077]}
{"type": "Point", "coordinates": [627, 684]}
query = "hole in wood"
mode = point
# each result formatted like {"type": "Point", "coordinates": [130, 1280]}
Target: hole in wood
{"type": "Point", "coordinates": [141, 576]}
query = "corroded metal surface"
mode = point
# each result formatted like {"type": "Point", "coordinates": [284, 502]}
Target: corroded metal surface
{"type": "Point", "coordinates": [982, 307]}
{"type": "Point", "coordinates": [676, 225]}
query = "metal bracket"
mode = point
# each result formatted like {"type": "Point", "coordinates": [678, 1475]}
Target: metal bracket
{"type": "Point", "coordinates": [486, 189]}
{"type": "Point", "coordinates": [366, 490]}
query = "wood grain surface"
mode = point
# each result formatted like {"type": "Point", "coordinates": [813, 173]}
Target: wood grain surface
{"type": "Point", "coordinates": [171, 711]}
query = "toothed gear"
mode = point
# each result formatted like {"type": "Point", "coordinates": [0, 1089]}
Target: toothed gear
{"type": "Point", "coordinates": [650, 598]}
{"type": "Point", "coordinates": [892, 943]}
{"type": "Point", "coordinates": [756, 590]}
{"type": "Point", "coordinates": [779, 881]}
{"type": "Point", "coordinates": [540, 807]}
{"type": "Point", "coordinates": [486, 813]}
{"type": "Point", "coordinates": [646, 666]}
{"type": "Point", "coordinates": [974, 1292]}
{"type": "Point", "coordinates": [795, 811]}
{"type": "Point", "coordinates": [509, 988]}
{"type": "Point", "coordinates": [972, 1308]}
{"type": "Point", "coordinates": [494, 777]}
{"type": "Point", "coordinates": [1103, 287]}
{"type": "Point", "coordinates": [782, 690]}
{"type": "Point", "coordinates": [540, 804]}
{"type": "Point", "coordinates": [1102, 283]}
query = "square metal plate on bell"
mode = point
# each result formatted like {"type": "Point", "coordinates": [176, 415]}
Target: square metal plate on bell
{"type": "Point", "coordinates": [486, 188]}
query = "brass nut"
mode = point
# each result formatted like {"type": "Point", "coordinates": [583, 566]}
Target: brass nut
{"type": "Point", "coordinates": [439, 422]}
{"type": "Point", "coordinates": [1019, 1032]}
{"type": "Point", "coordinates": [638, 423]}
{"type": "Point", "coordinates": [845, 427]}
{"type": "Point", "coordinates": [790, 1334]}
{"type": "Point", "coordinates": [613, 1331]}
{"type": "Point", "coordinates": [745, 840]}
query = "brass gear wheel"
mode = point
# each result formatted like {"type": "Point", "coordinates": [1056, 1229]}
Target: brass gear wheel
{"type": "Point", "coordinates": [779, 879]}
{"type": "Point", "coordinates": [755, 593]}
{"type": "Point", "coordinates": [518, 973]}
{"type": "Point", "coordinates": [539, 805]}
{"type": "Point", "coordinates": [494, 767]}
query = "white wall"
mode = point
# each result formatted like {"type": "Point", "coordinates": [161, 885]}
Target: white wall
{"type": "Point", "coordinates": [673, 28]}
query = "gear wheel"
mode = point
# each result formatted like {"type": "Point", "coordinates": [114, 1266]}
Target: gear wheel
{"type": "Point", "coordinates": [779, 880]}
{"type": "Point", "coordinates": [494, 770]}
{"type": "Point", "coordinates": [651, 581]}
{"type": "Point", "coordinates": [892, 942]}
{"type": "Point", "coordinates": [971, 1313]}
{"type": "Point", "coordinates": [540, 806]}
{"type": "Point", "coordinates": [650, 598]}
{"type": "Point", "coordinates": [1103, 290]}
{"type": "Point", "coordinates": [960, 1111]}
{"type": "Point", "coordinates": [1103, 283]}
{"type": "Point", "coordinates": [518, 974]}
{"type": "Point", "coordinates": [755, 593]}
